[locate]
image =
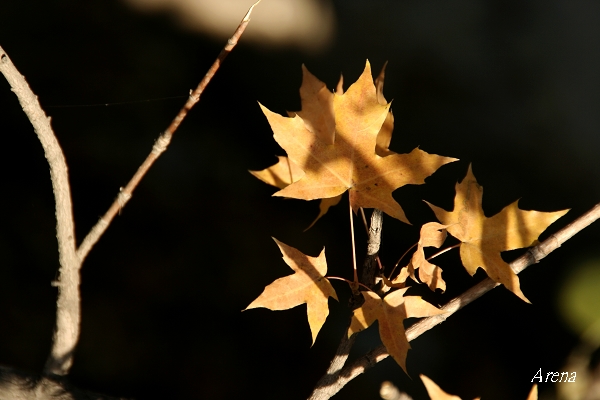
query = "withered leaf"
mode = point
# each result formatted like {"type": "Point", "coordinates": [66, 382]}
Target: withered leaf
{"type": "Point", "coordinates": [350, 162]}
{"type": "Point", "coordinates": [436, 393]}
{"type": "Point", "coordinates": [533, 394]}
{"type": "Point", "coordinates": [391, 311]}
{"type": "Point", "coordinates": [433, 234]}
{"type": "Point", "coordinates": [483, 239]}
{"type": "Point", "coordinates": [307, 285]}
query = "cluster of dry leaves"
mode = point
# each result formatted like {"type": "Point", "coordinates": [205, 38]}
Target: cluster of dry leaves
{"type": "Point", "coordinates": [339, 142]}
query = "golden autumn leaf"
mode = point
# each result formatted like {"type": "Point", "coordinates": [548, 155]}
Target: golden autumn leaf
{"type": "Point", "coordinates": [433, 234]}
{"type": "Point", "coordinates": [384, 137]}
{"type": "Point", "coordinates": [399, 282]}
{"type": "Point", "coordinates": [284, 173]}
{"type": "Point", "coordinates": [436, 393]}
{"type": "Point", "coordinates": [317, 107]}
{"type": "Point", "coordinates": [483, 239]}
{"type": "Point", "coordinates": [280, 175]}
{"type": "Point", "coordinates": [324, 206]}
{"type": "Point", "coordinates": [533, 394]}
{"type": "Point", "coordinates": [348, 160]}
{"type": "Point", "coordinates": [317, 114]}
{"type": "Point", "coordinates": [307, 285]}
{"type": "Point", "coordinates": [391, 311]}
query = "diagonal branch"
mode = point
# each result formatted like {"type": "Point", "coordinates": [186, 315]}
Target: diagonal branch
{"type": "Point", "coordinates": [66, 331]}
{"type": "Point", "coordinates": [533, 255]}
{"type": "Point", "coordinates": [161, 144]}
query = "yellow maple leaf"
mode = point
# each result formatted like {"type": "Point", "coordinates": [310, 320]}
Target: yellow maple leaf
{"type": "Point", "coordinates": [349, 160]}
{"type": "Point", "coordinates": [483, 239]}
{"type": "Point", "coordinates": [317, 114]}
{"type": "Point", "coordinates": [307, 285]}
{"type": "Point", "coordinates": [280, 175]}
{"type": "Point", "coordinates": [317, 107]}
{"type": "Point", "coordinates": [384, 137]}
{"type": "Point", "coordinates": [391, 311]}
{"type": "Point", "coordinates": [324, 206]}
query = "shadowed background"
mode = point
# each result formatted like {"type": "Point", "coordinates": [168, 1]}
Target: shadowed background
{"type": "Point", "coordinates": [511, 86]}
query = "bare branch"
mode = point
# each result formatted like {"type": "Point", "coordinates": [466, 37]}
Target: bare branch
{"type": "Point", "coordinates": [161, 144]}
{"type": "Point", "coordinates": [533, 255]}
{"type": "Point", "coordinates": [19, 385]}
{"type": "Point", "coordinates": [336, 365]}
{"type": "Point", "coordinates": [68, 312]}
{"type": "Point", "coordinates": [371, 274]}
{"type": "Point", "coordinates": [66, 331]}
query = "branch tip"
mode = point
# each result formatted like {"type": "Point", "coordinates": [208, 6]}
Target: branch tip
{"type": "Point", "coordinates": [247, 16]}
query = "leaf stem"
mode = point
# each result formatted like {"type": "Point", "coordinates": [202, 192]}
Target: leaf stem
{"type": "Point", "coordinates": [348, 281]}
{"type": "Point", "coordinates": [443, 251]}
{"type": "Point", "coordinates": [362, 213]}
{"type": "Point", "coordinates": [353, 244]}
{"type": "Point", "coordinates": [405, 253]}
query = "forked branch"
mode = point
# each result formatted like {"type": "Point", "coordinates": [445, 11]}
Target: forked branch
{"type": "Point", "coordinates": [68, 316]}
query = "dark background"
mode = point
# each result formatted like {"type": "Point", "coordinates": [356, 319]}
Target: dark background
{"type": "Point", "coordinates": [510, 86]}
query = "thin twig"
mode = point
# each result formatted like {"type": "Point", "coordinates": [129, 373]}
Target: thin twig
{"type": "Point", "coordinates": [364, 219]}
{"type": "Point", "coordinates": [353, 243]}
{"type": "Point", "coordinates": [533, 255]}
{"type": "Point", "coordinates": [161, 144]}
{"type": "Point", "coordinates": [66, 331]}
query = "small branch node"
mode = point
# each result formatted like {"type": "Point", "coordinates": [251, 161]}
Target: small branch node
{"type": "Point", "coordinates": [123, 198]}
{"type": "Point", "coordinates": [161, 144]}
{"type": "Point", "coordinates": [193, 97]}
{"type": "Point", "coordinates": [247, 16]}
